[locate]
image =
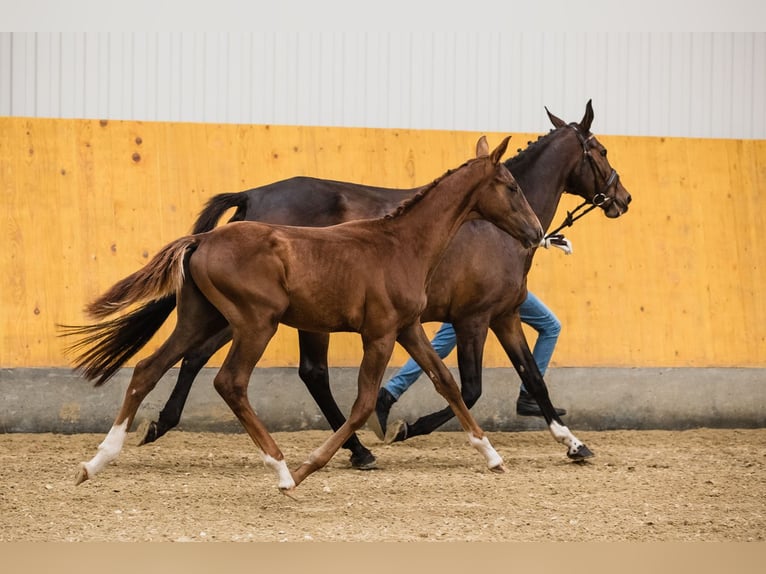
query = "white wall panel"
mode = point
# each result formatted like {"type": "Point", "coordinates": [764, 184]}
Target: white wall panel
{"type": "Point", "coordinates": [669, 83]}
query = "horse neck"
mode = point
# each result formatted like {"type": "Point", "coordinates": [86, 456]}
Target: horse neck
{"type": "Point", "coordinates": [542, 171]}
{"type": "Point", "coordinates": [426, 226]}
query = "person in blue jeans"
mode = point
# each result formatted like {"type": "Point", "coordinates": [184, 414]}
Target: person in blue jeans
{"type": "Point", "coordinates": [532, 311]}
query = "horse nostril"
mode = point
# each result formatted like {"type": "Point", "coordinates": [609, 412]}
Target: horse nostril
{"type": "Point", "coordinates": [628, 199]}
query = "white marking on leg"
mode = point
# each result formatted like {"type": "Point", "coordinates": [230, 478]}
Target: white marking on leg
{"type": "Point", "coordinates": [108, 450]}
{"type": "Point", "coordinates": [286, 481]}
{"type": "Point", "coordinates": [563, 435]}
{"type": "Point", "coordinates": [486, 449]}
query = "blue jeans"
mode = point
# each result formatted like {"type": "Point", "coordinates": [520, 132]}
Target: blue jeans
{"type": "Point", "coordinates": [532, 311]}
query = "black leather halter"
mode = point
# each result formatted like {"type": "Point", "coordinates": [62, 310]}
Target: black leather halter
{"type": "Point", "coordinates": [600, 199]}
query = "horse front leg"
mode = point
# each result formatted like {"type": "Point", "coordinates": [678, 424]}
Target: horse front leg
{"type": "Point", "coordinates": [193, 362]}
{"type": "Point", "coordinates": [314, 373]}
{"type": "Point", "coordinates": [232, 382]}
{"type": "Point", "coordinates": [377, 352]}
{"type": "Point", "coordinates": [470, 353]}
{"type": "Point", "coordinates": [511, 336]}
{"type": "Point", "coordinates": [414, 340]}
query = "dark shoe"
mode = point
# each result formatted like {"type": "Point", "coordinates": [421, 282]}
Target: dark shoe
{"type": "Point", "coordinates": [397, 432]}
{"type": "Point", "coordinates": [526, 406]}
{"type": "Point", "coordinates": [379, 419]}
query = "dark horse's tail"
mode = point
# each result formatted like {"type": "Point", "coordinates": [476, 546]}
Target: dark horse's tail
{"type": "Point", "coordinates": [103, 348]}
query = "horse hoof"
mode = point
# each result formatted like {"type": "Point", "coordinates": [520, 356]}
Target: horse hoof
{"type": "Point", "coordinates": [82, 475]}
{"type": "Point", "coordinates": [364, 461]}
{"type": "Point", "coordinates": [499, 469]}
{"type": "Point", "coordinates": [146, 432]}
{"type": "Point", "coordinates": [581, 453]}
{"type": "Point", "coordinates": [289, 493]}
{"type": "Point", "coordinates": [396, 432]}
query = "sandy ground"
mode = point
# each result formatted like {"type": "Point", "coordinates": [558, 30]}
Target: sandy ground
{"type": "Point", "coordinates": [696, 485]}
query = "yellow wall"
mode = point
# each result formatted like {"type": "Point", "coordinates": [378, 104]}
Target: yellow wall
{"type": "Point", "coordinates": [678, 281]}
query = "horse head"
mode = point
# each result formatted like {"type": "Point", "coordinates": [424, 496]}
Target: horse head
{"type": "Point", "coordinates": [594, 179]}
{"type": "Point", "coordinates": [502, 202]}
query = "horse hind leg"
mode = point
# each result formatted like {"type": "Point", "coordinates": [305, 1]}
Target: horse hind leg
{"type": "Point", "coordinates": [145, 377]}
{"type": "Point", "coordinates": [197, 320]}
{"type": "Point", "coordinates": [193, 362]}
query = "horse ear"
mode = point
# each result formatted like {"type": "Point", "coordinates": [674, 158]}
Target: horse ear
{"type": "Point", "coordinates": [482, 147]}
{"type": "Point", "coordinates": [587, 119]}
{"type": "Point", "coordinates": [557, 122]}
{"type": "Point", "coordinates": [500, 150]}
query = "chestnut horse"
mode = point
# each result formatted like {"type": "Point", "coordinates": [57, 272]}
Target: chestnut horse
{"type": "Point", "coordinates": [365, 276]}
{"type": "Point", "coordinates": [470, 288]}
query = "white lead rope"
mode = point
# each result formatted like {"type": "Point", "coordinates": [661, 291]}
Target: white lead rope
{"type": "Point", "coordinates": [557, 240]}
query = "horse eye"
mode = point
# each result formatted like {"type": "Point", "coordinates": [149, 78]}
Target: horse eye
{"type": "Point", "coordinates": [603, 152]}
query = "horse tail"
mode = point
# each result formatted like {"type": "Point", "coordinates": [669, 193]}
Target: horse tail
{"type": "Point", "coordinates": [215, 208]}
{"type": "Point", "coordinates": [162, 276]}
{"type": "Point", "coordinates": [105, 347]}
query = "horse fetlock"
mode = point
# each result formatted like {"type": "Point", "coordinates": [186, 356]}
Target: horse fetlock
{"type": "Point", "coordinates": [107, 451]}
{"type": "Point", "coordinates": [563, 435]}
{"type": "Point", "coordinates": [285, 479]}
{"type": "Point", "coordinates": [494, 460]}
{"type": "Point", "coordinates": [576, 449]}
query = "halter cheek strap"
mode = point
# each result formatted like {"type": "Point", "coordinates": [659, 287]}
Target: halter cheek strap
{"type": "Point", "coordinates": [600, 198]}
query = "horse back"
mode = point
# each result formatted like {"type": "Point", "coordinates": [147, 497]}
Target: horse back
{"type": "Point", "coordinates": [313, 202]}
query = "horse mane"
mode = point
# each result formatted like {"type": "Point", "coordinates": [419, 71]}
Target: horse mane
{"type": "Point", "coordinates": [410, 201]}
{"type": "Point", "coordinates": [532, 146]}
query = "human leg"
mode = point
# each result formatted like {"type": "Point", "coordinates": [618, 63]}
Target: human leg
{"type": "Point", "coordinates": [537, 315]}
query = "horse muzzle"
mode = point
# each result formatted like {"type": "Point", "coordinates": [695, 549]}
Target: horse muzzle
{"type": "Point", "coordinates": [616, 205]}
{"type": "Point", "coordinates": [528, 242]}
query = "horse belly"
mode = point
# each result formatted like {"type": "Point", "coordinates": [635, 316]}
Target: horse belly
{"type": "Point", "coordinates": [320, 316]}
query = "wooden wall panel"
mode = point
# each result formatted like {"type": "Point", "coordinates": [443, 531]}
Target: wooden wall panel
{"type": "Point", "coordinates": [675, 282]}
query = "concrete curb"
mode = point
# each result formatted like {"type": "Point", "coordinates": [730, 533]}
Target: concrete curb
{"type": "Point", "coordinates": [57, 400]}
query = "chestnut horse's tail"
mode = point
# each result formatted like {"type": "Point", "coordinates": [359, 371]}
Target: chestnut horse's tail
{"type": "Point", "coordinates": [103, 348]}
{"type": "Point", "coordinates": [162, 276]}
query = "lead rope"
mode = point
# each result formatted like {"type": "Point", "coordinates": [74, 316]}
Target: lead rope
{"type": "Point", "coordinates": [571, 218]}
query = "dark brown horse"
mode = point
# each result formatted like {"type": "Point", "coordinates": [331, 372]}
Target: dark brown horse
{"type": "Point", "coordinates": [469, 289]}
{"type": "Point", "coordinates": [365, 276]}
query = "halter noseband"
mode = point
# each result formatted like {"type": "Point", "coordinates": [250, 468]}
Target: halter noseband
{"type": "Point", "coordinates": [600, 198]}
